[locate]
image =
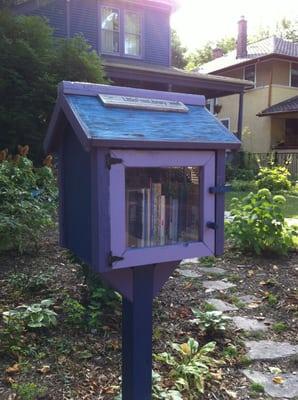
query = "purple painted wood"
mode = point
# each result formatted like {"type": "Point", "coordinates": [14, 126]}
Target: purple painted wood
{"type": "Point", "coordinates": [152, 145]}
{"type": "Point", "coordinates": [122, 279]}
{"type": "Point", "coordinates": [90, 89]}
{"type": "Point", "coordinates": [137, 337]}
{"type": "Point", "coordinates": [162, 254]}
{"type": "Point", "coordinates": [220, 203]}
{"type": "Point", "coordinates": [61, 176]}
{"type": "Point", "coordinates": [102, 244]}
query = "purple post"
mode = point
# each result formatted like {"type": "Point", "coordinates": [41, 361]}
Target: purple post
{"type": "Point", "coordinates": [137, 337]}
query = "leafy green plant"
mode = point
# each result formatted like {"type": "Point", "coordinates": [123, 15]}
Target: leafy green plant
{"type": "Point", "coordinates": [101, 298]}
{"type": "Point", "coordinates": [274, 178]}
{"type": "Point", "coordinates": [243, 185]}
{"type": "Point", "coordinates": [24, 282]}
{"type": "Point", "coordinates": [258, 224]}
{"type": "Point", "coordinates": [37, 315]}
{"type": "Point", "coordinates": [230, 351]}
{"type": "Point", "coordinates": [208, 261]}
{"type": "Point", "coordinates": [29, 391]}
{"type": "Point", "coordinates": [75, 312]}
{"type": "Point", "coordinates": [212, 322]}
{"type": "Point", "coordinates": [279, 327]}
{"type": "Point", "coordinates": [257, 387]}
{"type": "Point", "coordinates": [189, 366]}
{"type": "Point", "coordinates": [161, 393]}
{"type": "Point", "coordinates": [272, 299]}
{"type": "Point", "coordinates": [27, 200]}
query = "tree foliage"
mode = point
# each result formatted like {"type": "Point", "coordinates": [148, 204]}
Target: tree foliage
{"type": "Point", "coordinates": [204, 55]}
{"type": "Point", "coordinates": [179, 59]}
{"type": "Point", "coordinates": [32, 62]}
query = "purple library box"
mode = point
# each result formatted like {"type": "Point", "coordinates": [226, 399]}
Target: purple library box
{"type": "Point", "coordinates": [141, 178]}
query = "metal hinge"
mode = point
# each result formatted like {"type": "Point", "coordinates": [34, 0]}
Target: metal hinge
{"type": "Point", "coordinates": [220, 189]}
{"type": "Point", "coordinates": [112, 259]}
{"type": "Point", "coordinates": [112, 161]}
{"type": "Point", "coordinates": [212, 225]}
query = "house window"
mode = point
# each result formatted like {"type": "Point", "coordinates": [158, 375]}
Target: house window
{"type": "Point", "coordinates": [294, 74]}
{"type": "Point", "coordinates": [132, 34]}
{"type": "Point", "coordinates": [291, 137]}
{"type": "Point", "coordinates": [110, 30]}
{"type": "Point", "coordinates": [226, 122]}
{"type": "Point", "coordinates": [250, 73]}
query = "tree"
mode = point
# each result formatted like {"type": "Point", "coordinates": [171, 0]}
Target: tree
{"type": "Point", "coordinates": [32, 62]}
{"type": "Point", "coordinates": [204, 55]}
{"type": "Point", "coordinates": [178, 51]}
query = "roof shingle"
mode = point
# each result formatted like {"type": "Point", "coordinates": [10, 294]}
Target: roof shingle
{"type": "Point", "coordinates": [272, 45]}
{"type": "Point", "coordinates": [286, 106]}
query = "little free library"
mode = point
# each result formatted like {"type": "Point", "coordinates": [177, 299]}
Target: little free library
{"type": "Point", "coordinates": [142, 182]}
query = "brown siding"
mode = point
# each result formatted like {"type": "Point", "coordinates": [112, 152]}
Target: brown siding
{"type": "Point", "coordinates": [281, 73]}
{"type": "Point", "coordinates": [264, 71]}
{"type": "Point", "coordinates": [234, 73]}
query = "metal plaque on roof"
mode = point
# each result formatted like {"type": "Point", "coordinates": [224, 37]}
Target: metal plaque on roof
{"type": "Point", "coordinates": [142, 103]}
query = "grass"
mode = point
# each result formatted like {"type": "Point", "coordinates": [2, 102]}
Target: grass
{"type": "Point", "coordinates": [290, 207]}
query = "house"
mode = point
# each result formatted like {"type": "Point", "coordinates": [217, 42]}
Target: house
{"type": "Point", "coordinates": [133, 38]}
{"type": "Point", "coordinates": [270, 106]}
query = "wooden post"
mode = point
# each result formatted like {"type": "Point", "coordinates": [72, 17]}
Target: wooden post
{"type": "Point", "coordinates": [137, 337]}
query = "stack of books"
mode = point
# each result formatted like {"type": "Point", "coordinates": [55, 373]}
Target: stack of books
{"type": "Point", "coordinates": [157, 217]}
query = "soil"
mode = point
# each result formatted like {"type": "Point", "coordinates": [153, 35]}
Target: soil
{"type": "Point", "coordinates": [86, 363]}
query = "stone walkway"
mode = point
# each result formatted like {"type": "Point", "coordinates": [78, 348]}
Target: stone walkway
{"type": "Point", "coordinates": [277, 384]}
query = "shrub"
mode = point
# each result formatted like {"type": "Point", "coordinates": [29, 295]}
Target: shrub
{"type": "Point", "coordinates": [189, 366]}
{"type": "Point", "coordinates": [27, 200]}
{"type": "Point", "coordinates": [212, 322]}
{"type": "Point", "coordinates": [258, 224]}
{"type": "Point", "coordinates": [275, 178]}
{"type": "Point", "coordinates": [32, 62]}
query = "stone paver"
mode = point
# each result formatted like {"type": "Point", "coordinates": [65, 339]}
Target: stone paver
{"type": "Point", "coordinates": [212, 270]}
{"type": "Point", "coordinates": [249, 324]}
{"type": "Point", "coordinates": [269, 350]}
{"type": "Point", "coordinates": [286, 390]}
{"type": "Point", "coordinates": [247, 299]}
{"type": "Point", "coordinates": [190, 261]}
{"type": "Point", "coordinates": [220, 305]}
{"type": "Point", "coordinates": [211, 286]}
{"type": "Point", "coordinates": [187, 273]}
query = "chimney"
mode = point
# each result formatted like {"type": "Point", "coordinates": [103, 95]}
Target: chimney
{"type": "Point", "coordinates": [242, 38]}
{"type": "Point", "coordinates": [216, 53]}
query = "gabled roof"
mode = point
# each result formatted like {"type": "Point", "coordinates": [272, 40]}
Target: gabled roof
{"type": "Point", "coordinates": [98, 125]}
{"type": "Point", "coordinates": [286, 106]}
{"type": "Point", "coordinates": [263, 48]}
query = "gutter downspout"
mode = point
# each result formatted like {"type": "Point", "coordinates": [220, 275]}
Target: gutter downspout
{"type": "Point", "coordinates": [240, 116]}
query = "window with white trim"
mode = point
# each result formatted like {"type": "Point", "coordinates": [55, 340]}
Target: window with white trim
{"type": "Point", "coordinates": [110, 30]}
{"type": "Point", "coordinates": [294, 74]}
{"type": "Point", "coordinates": [249, 73]}
{"type": "Point", "coordinates": [132, 33]}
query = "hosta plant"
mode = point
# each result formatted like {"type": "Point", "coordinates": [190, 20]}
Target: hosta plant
{"type": "Point", "coordinates": [258, 224]}
{"type": "Point", "coordinates": [189, 366]}
{"type": "Point", "coordinates": [37, 315]}
{"type": "Point", "coordinates": [161, 393]}
{"type": "Point", "coordinates": [212, 322]}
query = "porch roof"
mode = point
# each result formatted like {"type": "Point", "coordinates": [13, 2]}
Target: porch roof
{"type": "Point", "coordinates": [284, 107]}
{"type": "Point", "coordinates": [210, 86]}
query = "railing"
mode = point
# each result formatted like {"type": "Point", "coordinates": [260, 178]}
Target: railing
{"type": "Point", "coordinates": [254, 160]}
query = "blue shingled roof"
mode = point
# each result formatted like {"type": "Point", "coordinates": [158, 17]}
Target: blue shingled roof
{"type": "Point", "coordinates": [103, 123]}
